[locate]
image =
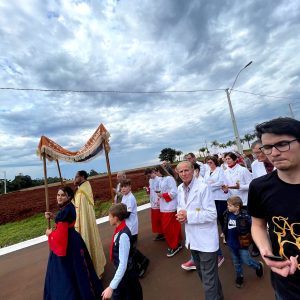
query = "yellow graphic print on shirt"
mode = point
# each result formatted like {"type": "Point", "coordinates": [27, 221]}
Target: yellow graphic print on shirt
{"type": "Point", "coordinates": [288, 235]}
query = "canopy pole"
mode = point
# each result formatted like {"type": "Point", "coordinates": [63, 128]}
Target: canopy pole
{"type": "Point", "coordinates": [59, 172]}
{"type": "Point", "coordinates": [46, 188]}
{"type": "Point", "coordinates": [108, 170]}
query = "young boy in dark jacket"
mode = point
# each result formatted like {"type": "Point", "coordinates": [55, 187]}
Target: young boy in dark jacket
{"type": "Point", "coordinates": [237, 230]}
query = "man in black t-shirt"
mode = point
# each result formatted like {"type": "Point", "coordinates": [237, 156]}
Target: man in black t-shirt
{"type": "Point", "coordinates": [274, 199]}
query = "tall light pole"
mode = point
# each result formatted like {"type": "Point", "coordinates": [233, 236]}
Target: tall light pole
{"type": "Point", "coordinates": [291, 111]}
{"type": "Point", "coordinates": [4, 180]}
{"type": "Point", "coordinates": [235, 129]}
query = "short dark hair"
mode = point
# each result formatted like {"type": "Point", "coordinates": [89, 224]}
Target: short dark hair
{"type": "Point", "coordinates": [83, 174]}
{"type": "Point", "coordinates": [163, 171]}
{"type": "Point", "coordinates": [191, 154]}
{"type": "Point", "coordinates": [119, 210]}
{"type": "Point", "coordinates": [279, 126]}
{"type": "Point", "coordinates": [196, 166]}
{"type": "Point", "coordinates": [150, 170]}
{"type": "Point", "coordinates": [125, 182]}
{"type": "Point", "coordinates": [231, 155]}
{"type": "Point", "coordinates": [214, 159]}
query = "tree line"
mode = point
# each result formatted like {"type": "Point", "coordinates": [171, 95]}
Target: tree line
{"type": "Point", "coordinates": [25, 181]}
{"type": "Point", "coordinates": [171, 155]}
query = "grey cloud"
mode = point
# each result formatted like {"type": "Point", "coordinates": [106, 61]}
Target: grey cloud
{"type": "Point", "coordinates": [152, 46]}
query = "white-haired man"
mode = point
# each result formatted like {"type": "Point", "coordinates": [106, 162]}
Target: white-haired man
{"type": "Point", "coordinates": [198, 213]}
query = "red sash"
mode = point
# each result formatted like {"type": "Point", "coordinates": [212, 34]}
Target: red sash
{"type": "Point", "coordinates": [58, 239]}
{"type": "Point", "coordinates": [118, 229]}
{"type": "Point", "coordinates": [167, 197]}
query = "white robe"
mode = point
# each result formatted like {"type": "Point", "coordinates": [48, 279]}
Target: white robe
{"type": "Point", "coordinates": [241, 174]}
{"type": "Point", "coordinates": [258, 169]}
{"type": "Point", "coordinates": [201, 230]}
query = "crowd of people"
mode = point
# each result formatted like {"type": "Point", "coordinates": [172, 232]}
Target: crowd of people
{"type": "Point", "coordinates": [246, 206]}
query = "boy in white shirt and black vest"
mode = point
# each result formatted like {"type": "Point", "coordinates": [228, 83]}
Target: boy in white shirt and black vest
{"type": "Point", "coordinates": [132, 223]}
{"type": "Point", "coordinates": [125, 284]}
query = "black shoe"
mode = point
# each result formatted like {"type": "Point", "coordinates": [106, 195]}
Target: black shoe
{"type": "Point", "coordinates": [255, 253]}
{"type": "Point", "coordinates": [260, 271]}
{"type": "Point", "coordinates": [239, 281]}
{"type": "Point", "coordinates": [144, 267]}
{"type": "Point", "coordinates": [159, 237]}
{"type": "Point", "coordinates": [172, 252]}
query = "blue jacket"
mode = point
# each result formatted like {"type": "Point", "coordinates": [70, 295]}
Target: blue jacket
{"type": "Point", "coordinates": [243, 226]}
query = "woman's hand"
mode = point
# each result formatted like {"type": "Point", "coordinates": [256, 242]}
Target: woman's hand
{"type": "Point", "coordinates": [48, 231]}
{"type": "Point", "coordinates": [49, 215]}
{"type": "Point", "coordinates": [225, 188]}
{"type": "Point", "coordinates": [107, 293]}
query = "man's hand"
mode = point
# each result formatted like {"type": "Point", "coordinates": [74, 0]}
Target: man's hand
{"type": "Point", "coordinates": [181, 216]}
{"type": "Point", "coordinates": [107, 293]}
{"type": "Point", "coordinates": [283, 268]}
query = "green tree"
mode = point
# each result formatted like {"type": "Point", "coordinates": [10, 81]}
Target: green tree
{"type": "Point", "coordinates": [202, 151]}
{"type": "Point", "coordinates": [93, 173]}
{"type": "Point", "coordinates": [178, 154]}
{"type": "Point", "coordinates": [248, 138]}
{"type": "Point", "coordinates": [230, 143]}
{"type": "Point", "coordinates": [214, 143]}
{"type": "Point", "coordinates": [21, 182]}
{"type": "Point", "coordinates": [167, 154]}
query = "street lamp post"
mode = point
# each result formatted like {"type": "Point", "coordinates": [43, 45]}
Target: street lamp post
{"type": "Point", "coordinates": [4, 181]}
{"type": "Point", "coordinates": [291, 111]}
{"type": "Point", "coordinates": [235, 129]}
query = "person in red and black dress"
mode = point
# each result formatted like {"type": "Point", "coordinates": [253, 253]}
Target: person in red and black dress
{"type": "Point", "coordinates": [70, 271]}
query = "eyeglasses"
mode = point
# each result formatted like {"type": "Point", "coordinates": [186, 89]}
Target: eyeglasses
{"type": "Point", "coordinates": [282, 146]}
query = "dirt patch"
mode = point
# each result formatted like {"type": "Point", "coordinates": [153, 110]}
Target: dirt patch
{"type": "Point", "coordinates": [26, 203]}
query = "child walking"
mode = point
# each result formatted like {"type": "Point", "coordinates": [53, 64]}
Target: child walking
{"type": "Point", "coordinates": [237, 230]}
{"type": "Point", "coordinates": [153, 190]}
{"type": "Point", "coordinates": [125, 284]}
{"type": "Point", "coordinates": [132, 223]}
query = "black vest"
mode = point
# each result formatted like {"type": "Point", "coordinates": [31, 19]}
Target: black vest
{"type": "Point", "coordinates": [116, 250]}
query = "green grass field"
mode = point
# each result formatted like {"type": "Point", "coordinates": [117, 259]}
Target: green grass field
{"type": "Point", "coordinates": [15, 232]}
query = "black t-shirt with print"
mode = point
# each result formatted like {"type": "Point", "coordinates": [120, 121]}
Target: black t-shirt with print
{"type": "Point", "coordinates": [278, 203]}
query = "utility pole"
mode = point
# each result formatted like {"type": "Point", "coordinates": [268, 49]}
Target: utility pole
{"type": "Point", "coordinates": [235, 129]}
{"type": "Point", "coordinates": [4, 181]}
{"type": "Point", "coordinates": [234, 125]}
{"type": "Point", "coordinates": [291, 111]}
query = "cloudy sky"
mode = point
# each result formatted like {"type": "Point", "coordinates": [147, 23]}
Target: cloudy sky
{"type": "Point", "coordinates": [141, 47]}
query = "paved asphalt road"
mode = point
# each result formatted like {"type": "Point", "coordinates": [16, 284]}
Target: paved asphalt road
{"type": "Point", "coordinates": [22, 272]}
